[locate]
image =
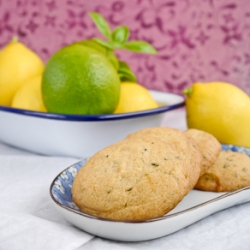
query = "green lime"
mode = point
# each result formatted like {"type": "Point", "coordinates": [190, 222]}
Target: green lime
{"type": "Point", "coordinates": [79, 80]}
{"type": "Point", "coordinates": [108, 53]}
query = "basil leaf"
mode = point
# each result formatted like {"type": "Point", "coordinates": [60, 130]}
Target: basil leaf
{"type": "Point", "coordinates": [123, 66]}
{"type": "Point", "coordinates": [103, 43]}
{"type": "Point", "coordinates": [126, 78]}
{"type": "Point", "coordinates": [101, 24]}
{"type": "Point", "coordinates": [120, 34]}
{"type": "Point", "coordinates": [125, 73]}
{"type": "Point", "coordinates": [140, 47]}
{"type": "Point", "coordinates": [116, 45]}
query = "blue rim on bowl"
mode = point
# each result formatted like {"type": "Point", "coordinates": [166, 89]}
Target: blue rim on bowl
{"type": "Point", "coordinates": [102, 117]}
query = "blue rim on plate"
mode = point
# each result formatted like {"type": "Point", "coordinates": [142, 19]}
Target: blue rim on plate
{"type": "Point", "coordinates": [60, 190]}
{"type": "Point", "coordinates": [102, 117]}
{"type": "Point", "coordinates": [235, 148]}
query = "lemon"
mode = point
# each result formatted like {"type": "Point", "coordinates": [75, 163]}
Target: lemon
{"type": "Point", "coordinates": [134, 97]}
{"type": "Point", "coordinates": [29, 96]}
{"type": "Point", "coordinates": [79, 80]}
{"type": "Point", "coordinates": [17, 64]}
{"type": "Point", "coordinates": [220, 109]}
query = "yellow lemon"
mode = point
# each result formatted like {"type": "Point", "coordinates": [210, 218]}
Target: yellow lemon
{"type": "Point", "coordinates": [29, 96]}
{"type": "Point", "coordinates": [17, 64]}
{"type": "Point", "coordinates": [134, 97]}
{"type": "Point", "coordinates": [220, 109]}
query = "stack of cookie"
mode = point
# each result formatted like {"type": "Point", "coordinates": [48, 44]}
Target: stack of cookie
{"type": "Point", "coordinates": [148, 173]}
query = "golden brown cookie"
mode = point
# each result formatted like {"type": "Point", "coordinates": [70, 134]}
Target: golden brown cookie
{"type": "Point", "coordinates": [187, 148]}
{"type": "Point", "coordinates": [141, 177]}
{"type": "Point", "coordinates": [230, 172]}
{"type": "Point", "coordinates": [209, 146]}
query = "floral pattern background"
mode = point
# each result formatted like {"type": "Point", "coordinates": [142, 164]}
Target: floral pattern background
{"type": "Point", "coordinates": [198, 40]}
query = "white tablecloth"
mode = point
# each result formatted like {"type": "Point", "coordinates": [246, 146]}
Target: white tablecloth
{"type": "Point", "coordinates": [28, 219]}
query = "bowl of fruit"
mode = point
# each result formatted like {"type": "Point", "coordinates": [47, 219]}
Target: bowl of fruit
{"type": "Point", "coordinates": [82, 100]}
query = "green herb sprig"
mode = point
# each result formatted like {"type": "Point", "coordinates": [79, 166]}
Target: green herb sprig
{"type": "Point", "coordinates": [118, 38]}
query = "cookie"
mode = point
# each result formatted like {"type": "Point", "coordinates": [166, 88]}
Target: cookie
{"type": "Point", "coordinates": [137, 178]}
{"type": "Point", "coordinates": [187, 148]}
{"type": "Point", "coordinates": [208, 145]}
{"type": "Point", "coordinates": [230, 172]}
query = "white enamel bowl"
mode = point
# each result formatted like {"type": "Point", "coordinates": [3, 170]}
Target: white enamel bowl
{"type": "Point", "coordinates": [77, 135]}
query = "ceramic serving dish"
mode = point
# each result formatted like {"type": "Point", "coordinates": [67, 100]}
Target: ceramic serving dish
{"type": "Point", "coordinates": [195, 206]}
{"type": "Point", "coordinates": [78, 135]}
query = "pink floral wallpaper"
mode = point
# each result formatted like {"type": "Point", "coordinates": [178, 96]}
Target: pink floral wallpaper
{"type": "Point", "coordinates": [197, 40]}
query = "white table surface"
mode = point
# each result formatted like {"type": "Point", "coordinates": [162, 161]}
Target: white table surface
{"type": "Point", "coordinates": [28, 219]}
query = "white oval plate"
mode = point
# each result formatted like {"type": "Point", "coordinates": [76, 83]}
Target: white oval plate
{"type": "Point", "coordinates": [195, 206]}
